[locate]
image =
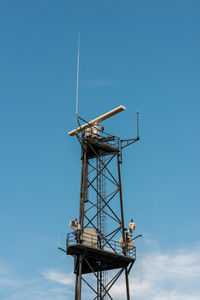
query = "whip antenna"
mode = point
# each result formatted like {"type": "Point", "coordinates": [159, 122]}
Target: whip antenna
{"type": "Point", "coordinates": [77, 80]}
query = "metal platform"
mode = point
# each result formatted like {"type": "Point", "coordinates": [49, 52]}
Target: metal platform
{"type": "Point", "coordinates": [101, 146]}
{"type": "Point", "coordinates": [100, 260]}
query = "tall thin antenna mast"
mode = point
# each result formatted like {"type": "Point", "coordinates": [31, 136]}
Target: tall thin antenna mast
{"type": "Point", "coordinates": [77, 80]}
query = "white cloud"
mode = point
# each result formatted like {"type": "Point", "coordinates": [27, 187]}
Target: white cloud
{"type": "Point", "coordinates": [164, 275]}
{"type": "Point", "coordinates": [156, 275]}
{"type": "Point", "coordinates": [14, 286]}
{"type": "Point", "coordinates": [62, 278]}
{"type": "Point", "coordinates": [6, 279]}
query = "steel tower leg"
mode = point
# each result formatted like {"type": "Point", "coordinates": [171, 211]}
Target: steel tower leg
{"type": "Point", "coordinates": [83, 199]}
{"type": "Point", "coordinates": [121, 201]}
{"type": "Point", "coordinates": [127, 284]}
{"type": "Point", "coordinates": [83, 191]}
{"type": "Point", "coordinates": [78, 283]}
{"type": "Point", "coordinates": [76, 287]}
{"type": "Point", "coordinates": [80, 277]}
{"type": "Point", "coordinates": [122, 224]}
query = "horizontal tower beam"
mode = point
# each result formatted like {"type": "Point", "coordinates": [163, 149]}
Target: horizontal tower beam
{"type": "Point", "coordinates": [98, 120]}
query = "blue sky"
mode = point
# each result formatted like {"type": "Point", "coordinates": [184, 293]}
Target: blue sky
{"type": "Point", "coordinates": [142, 54]}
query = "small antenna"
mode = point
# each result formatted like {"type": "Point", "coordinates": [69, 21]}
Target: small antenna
{"type": "Point", "coordinates": [77, 78]}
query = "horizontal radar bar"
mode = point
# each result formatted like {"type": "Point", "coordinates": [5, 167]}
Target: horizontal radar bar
{"type": "Point", "coordinates": [98, 120]}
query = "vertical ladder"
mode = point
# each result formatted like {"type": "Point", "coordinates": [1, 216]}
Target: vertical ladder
{"type": "Point", "coordinates": [101, 221]}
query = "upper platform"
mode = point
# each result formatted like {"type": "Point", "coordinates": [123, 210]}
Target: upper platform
{"type": "Point", "coordinates": [101, 146]}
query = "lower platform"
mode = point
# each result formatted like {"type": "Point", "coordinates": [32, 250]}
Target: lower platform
{"type": "Point", "coordinates": [100, 260]}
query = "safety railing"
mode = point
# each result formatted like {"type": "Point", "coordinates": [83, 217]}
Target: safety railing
{"type": "Point", "coordinates": [102, 136]}
{"type": "Point", "coordinates": [109, 139]}
{"type": "Point", "coordinates": [94, 241]}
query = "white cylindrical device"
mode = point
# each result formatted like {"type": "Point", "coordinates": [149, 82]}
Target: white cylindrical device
{"type": "Point", "coordinates": [132, 226]}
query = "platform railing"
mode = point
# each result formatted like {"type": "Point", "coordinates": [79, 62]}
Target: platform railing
{"type": "Point", "coordinates": [109, 139]}
{"type": "Point", "coordinates": [92, 240]}
{"type": "Point", "coordinates": [104, 136]}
